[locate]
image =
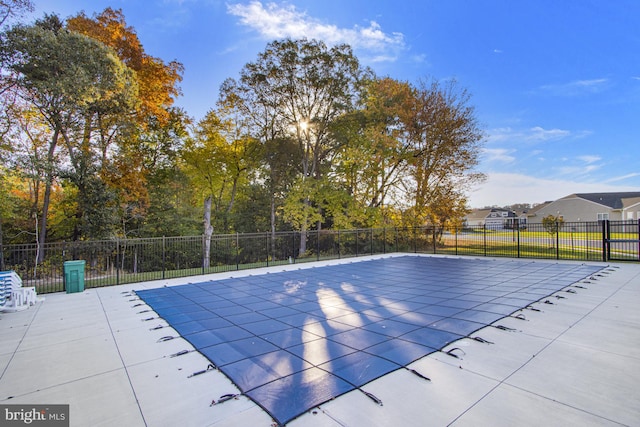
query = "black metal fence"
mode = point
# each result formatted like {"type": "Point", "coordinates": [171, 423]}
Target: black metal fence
{"type": "Point", "coordinates": [113, 262]}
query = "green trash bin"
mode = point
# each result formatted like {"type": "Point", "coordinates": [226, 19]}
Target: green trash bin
{"type": "Point", "coordinates": [74, 276]}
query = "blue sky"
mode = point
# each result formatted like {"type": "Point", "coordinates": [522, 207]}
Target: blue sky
{"type": "Point", "coordinates": [555, 84]}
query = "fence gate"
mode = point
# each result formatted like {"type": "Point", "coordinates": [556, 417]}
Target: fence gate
{"type": "Point", "coordinates": [621, 240]}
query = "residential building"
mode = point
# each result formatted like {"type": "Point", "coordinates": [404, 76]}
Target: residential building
{"type": "Point", "coordinates": [495, 218]}
{"type": "Point", "coordinates": [590, 207]}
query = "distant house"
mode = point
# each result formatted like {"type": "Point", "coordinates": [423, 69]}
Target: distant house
{"type": "Point", "coordinates": [590, 207]}
{"type": "Point", "coordinates": [495, 218]}
{"type": "Point", "coordinates": [476, 217]}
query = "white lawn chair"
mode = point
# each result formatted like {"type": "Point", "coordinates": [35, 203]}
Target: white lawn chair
{"type": "Point", "coordinates": [13, 297]}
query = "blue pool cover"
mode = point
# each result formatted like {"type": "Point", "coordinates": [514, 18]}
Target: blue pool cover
{"type": "Point", "coordinates": [296, 339]}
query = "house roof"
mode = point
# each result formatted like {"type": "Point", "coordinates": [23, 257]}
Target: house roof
{"type": "Point", "coordinates": [477, 214]}
{"type": "Point", "coordinates": [631, 201]}
{"type": "Point", "coordinates": [612, 200]}
{"type": "Point", "coordinates": [536, 208]}
{"type": "Point", "coordinates": [482, 214]}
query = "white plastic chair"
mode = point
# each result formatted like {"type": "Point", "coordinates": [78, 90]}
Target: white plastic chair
{"type": "Point", "coordinates": [13, 297]}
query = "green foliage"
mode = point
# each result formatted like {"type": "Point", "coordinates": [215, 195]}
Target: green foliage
{"type": "Point", "coordinates": [301, 87]}
{"type": "Point", "coordinates": [305, 138]}
{"type": "Point", "coordinates": [171, 209]}
{"type": "Point", "coordinates": [251, 210]}
{"type": "Point", "coordinates": [552, 224]}
{"type": "Point", "coordinates": [297, 209]}
{"type": "Point", "coordinates": [76, 84]}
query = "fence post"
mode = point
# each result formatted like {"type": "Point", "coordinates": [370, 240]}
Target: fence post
{"type": "Point", "coordinates": [371, 239]}
{"type": "Point", "coordinates": [605, 235]}
{"type": "Point", "coordinates": [608, 240]}
{"type": "Point", "coordinates": [293, 246]}
{"type": "Point", "coordinates": [557, 240]}
{"type": "Point", "coordinates": [237, 251]}
{"type": "Point", "coordinates": [434, 239]}
{"type": "Point", "coordinates": [117, 261]}
{"type": "Point", "coordinates": [339, 244]}
{"type": "Point", "coordinates": [455, 230]}
{"type": "Point", "coordinates": [484, 238]}
{"type": "Point", "coordinates": [518, 234]}
{"type": "Point", "coordinates": [164, 260]}
{"type": "Point", "coordinates": [384, 240]}
{"type": "Point", "coordinates": [266, 242]}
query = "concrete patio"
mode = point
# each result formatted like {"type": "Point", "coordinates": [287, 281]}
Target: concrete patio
{"type": "Point", "coordinates": [573, 362]}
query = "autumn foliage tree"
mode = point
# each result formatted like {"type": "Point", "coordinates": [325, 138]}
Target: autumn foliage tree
{"type": "Point", "coordinates": [444, 142]}
{"type": "Point", "coordinates": [73, 82]}
{"type": "Point", "coordinates": [158, 88]}
{"type": "Point", "coordinates": [374, 155]}
{"type": "Point", "coordinates": [157, 81]}
{"type": "Point", "coordinates": [93, 147]}
{"type": "Point", "coordinates": [101, 98]}
{"type": "Point", "coordinates": [413, 149]}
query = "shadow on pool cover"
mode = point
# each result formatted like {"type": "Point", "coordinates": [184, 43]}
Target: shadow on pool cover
{"type": "Point", "coordinates": [296, 339]}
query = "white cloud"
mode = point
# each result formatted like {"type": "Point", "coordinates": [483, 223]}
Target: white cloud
{"type": "Point", "coordinates": [576, 87]}
{"type": "Point", "coordinates": [540, 134]}
{"type": "Point", "coordinates": [501, 134]}
{"type": "Point", "coordinates": [580, 166]}
{"type": "Point", "coordinates": [419, 59]}
{"type": "Point", "coordinates": [623, 177]}
{"type": "Point", "coordinates": [577, 171]}
{"type": "Point", "coordinates": [502, 155]}
{"type": "Point", "coordinates": [589, 83]}
{"type": "Point", "coordinates": [278, 21]}
{"type": "Point", "coordinates": [532, 135]}
{"type": "Point", "coordinates": [590, 159]}
{"type": "Point", "coordinates": [382, 58]}
{"type": "Point", "coordinates": [504, 189]}
{"type": "Point", "coordinates": [498, 51]}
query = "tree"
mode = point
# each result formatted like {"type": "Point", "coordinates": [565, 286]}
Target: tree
{"type": "Point", "coordinates": [444, 140]}
{"type": "Point", "coordinates": [171, 209]}
{"type": "Point", "coordinates": [410, 147]}
{"type": "Point", "coordinates": [552, 225]}
{"type": "Point", "coordinates": [74, 82]}
{"type": "Point", "coordinates": [27, 136]}
{"type": "Point", "coordinates": [296, 89]}
{"type": "Point", "coordinates": [219, 159]}
{"type": "Point", "coordinates": [14, 8]}
{"type": "Point", "coordinates": [157, 81]}
{"type": "Point", "coordinates": [128, 169]}
{"type": "Point", "coordinates": [373, 159]}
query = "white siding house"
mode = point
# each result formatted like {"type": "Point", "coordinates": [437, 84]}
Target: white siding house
{"type": "Point", "coordinates": [495, 218]}
{"type": "Point", "coordinates": [591, 207]}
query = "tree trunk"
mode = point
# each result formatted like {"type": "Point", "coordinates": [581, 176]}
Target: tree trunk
{"type": "Point", "coordinates": [303, 240]}
{"type": "Point", "coordinates": [208, 232]}
{"type": "Point", "coordinates": [42, 237]}
{"type": "Point", "coordinates": [303, 233]}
